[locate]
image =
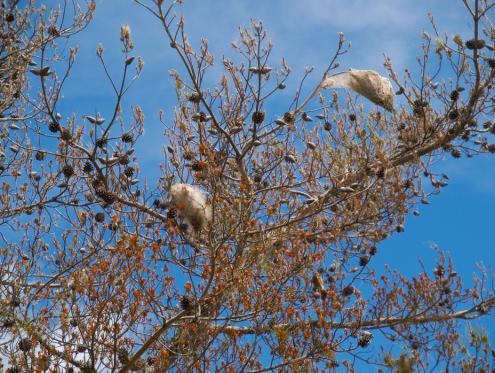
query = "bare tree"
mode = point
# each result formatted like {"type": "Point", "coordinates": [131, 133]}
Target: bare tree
{"type": "Point", "coordinates": [252, 251]}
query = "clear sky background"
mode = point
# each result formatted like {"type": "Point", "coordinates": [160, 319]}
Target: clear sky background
{"type": "Point", "coordinates": [460, 220]}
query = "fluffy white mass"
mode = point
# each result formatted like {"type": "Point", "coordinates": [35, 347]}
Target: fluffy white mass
{"type": "Point", "coordinates": [190, 202]}
{"type": "Point", "coordinates": [367, 83]}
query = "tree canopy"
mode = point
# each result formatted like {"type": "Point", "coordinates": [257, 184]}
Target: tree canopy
{"type": "Point", "coordinates": [252, 249]}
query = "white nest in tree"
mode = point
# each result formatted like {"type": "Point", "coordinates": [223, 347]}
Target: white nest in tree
{"type": "Point", "coordinates": [367, 83]}
{"type": "Point", "coordinates": [190, 202]}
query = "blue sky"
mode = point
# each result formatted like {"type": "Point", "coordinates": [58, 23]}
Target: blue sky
{"type": "Point", "coordinates": [460, 220]}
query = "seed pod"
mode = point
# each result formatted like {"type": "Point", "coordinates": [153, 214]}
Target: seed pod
{"type": "Point", "coordinates": [106, 196]}
{"type": "Point", "coordinates": [439, 271]}
{"type": "Point", "coordinates": [124, 160]}
{"type": "Point", "coordinates": [150, 360]}
{"type": "Point", "coordinates": [453, 114]}
{"type": "Point", "coordinates": [25, 344]}
{"type": "Point", "coordinates": [456, 153]}
{"type": "Point", "coordinates": [101, 142]}
{"type": "Point", "coordinates": [81, 349]}
{"type": "Point", "coordinates": [491, 63]}
{"type": "Point", "coordinates": [129, 60]}
{"type": "Point", "coordinates": [39, 156]}
{"type": "Point", "coordinates": [447, 147]}
{"type": "Point", "coordinates": [129, 171]}
{"type": "Point", "coordinates": [235, 130]}
{"type": "Point", "coordinates": [306, 117]}
{"type": "Point", "coordinates": [347, 291]}
{"type": "Point", "coordinates": [88, 167]}
{"type": "Point", "coordinates": [289, 117]}
{"type": "Point", "coordinates": [364, 339]}
{"type": "Point", "coordinates": [68, 170]}
{"type": "Point", "coordinates": [8, 323]}
{"type": "Point", "coordinates": [123, 355]}
{"type": "Point", "coordinates": [127, 137]}
{"type": "Point", "coordinates": [258, 117]}
{"type": "Point", "coordinates": [195, 97]}
{"type": "Point", "coordinates": [45, 71]}
{"type": "Point", "coordinates": [199, 166]}
{"type": "Point", "coordinates": [454, 95]}
{"type": "Point", "coordinates": [14, 301]}
{"type": "Point", "coordinates": [475, 44]}
{"type": "Point", "coordinates": [54, 127]}
{"type": "Point", "coordinates": [364, 260]}
{"type": "Point", "coordinates": [186, 303]}
{"type": "Point", "coordinates": [420, 103]}
{"type": "Point", "coordinates": [171, 213]}
{"type": "Point", "coordinates": [53, 31]}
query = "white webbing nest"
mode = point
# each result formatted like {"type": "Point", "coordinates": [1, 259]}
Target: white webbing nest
{"type": "Point", "coordinates": [367, 83]}
{"type": "Point", "coordinates": [191, 204]}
